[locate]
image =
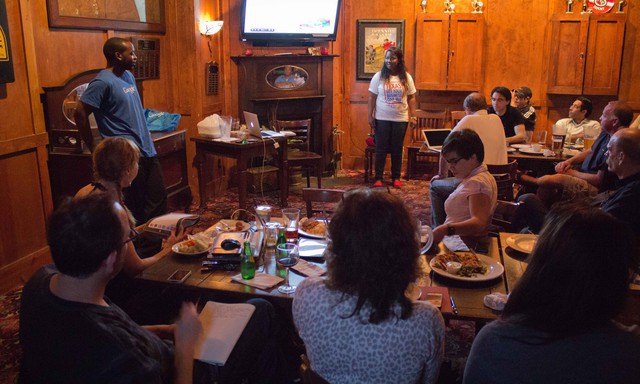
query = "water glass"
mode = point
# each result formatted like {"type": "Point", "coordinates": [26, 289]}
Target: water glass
{"type": "Point", "coordinates": [542, 138]}
{"type": "Point", "coordinates": [287, 255]}
{"type": "Point", "coordinates": [292, 218]}
{"type": "Point", "coordinates": [271, 233]}
{"type": "Point", "coordinates": [528, 137]}
{"type": "Point", "coordinates": [264, 214]}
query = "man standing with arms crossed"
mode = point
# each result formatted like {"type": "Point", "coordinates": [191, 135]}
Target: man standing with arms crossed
{"type": "Point", "coordinates": [115, 102]}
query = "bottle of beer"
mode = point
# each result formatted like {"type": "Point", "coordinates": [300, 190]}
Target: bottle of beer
{"type": "Point", "coordinates": [248, 264]}
{"type": "Point", "coordinates": [282, 239]}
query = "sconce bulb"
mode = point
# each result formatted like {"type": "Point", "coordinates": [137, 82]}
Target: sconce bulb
{"type": "Point", "coordinates": [209, 28]}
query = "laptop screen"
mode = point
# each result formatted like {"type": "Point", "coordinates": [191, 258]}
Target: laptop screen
{"type": "Point", "coordinates": [434, 138]}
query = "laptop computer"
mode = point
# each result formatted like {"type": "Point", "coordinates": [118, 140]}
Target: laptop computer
{"type": "Point", "coordinates": [251, 119]}
{"type": "Point", "coordinates": [434, 138]}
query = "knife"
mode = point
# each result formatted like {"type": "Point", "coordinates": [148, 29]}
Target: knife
{"type": "Point", "coordinates": [453, 305]}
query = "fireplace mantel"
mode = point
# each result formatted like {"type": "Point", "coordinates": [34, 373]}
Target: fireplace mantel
{"type": "Point", "coordinates": [312, 100]}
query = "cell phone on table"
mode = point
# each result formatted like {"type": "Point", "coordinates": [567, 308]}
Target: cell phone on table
{"type": "Point", "coordinates": [179, 276]}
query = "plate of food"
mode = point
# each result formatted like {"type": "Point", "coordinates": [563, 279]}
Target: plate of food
{"type": "Point", "coordinates": [314, 228]}
{"type": "Point", "coordinates": [510, 150]}
{"type": "Point", "coordinates": [522, 243]}
{"type": "Point", "coordinates": [466, 266]}
{"type": "Point", "coordinates": [229, 225]}
{"type": "Point", "coordinates": [520, 146]}
{"type": "Point", "coordinates": [530, 151]}
{"type": "Point", "coordinates": [191, 247]}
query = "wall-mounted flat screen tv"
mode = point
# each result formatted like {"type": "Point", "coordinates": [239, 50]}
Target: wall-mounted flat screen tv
{"type": "Point", "coordinates": [289, 21]}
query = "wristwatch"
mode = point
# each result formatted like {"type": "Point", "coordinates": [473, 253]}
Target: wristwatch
{"type": "Point", "coordinates": [451, 230]}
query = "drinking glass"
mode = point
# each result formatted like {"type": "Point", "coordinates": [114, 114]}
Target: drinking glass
{"type": "Point", "coordinates": [542, 138]}
{"type": "Point", "coordinates": [590, 136]}
{"type": "Point", "coordinates": [287, 255]}
{"type": "Point", "coordinates": [264, 214]}
{"type": "Point", "coordinates": [528, 137]}
{"type": "Point", "coordinates": [292, 217]}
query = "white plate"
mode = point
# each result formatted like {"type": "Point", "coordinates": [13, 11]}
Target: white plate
{"type": "Point", "coordinates": [510, 150]}
{"type": "Point", "coordinates": [494, 269]}
{"type": "Point", "coordinates": [530, 151]}
{"type": "Point", "coordinates": [175, 249]}
{"type": "Point", "coordinates": [228, 225]}
{"type": "Point", "coordinates": [413, 292]}
{"type": "Point", "coordinates": [522, 243]}
{"type": "Point", "coordinates": [520, 146]}
{"type": "Point", "coordinates": [311, 247]}
{"type": "Point", "coordinates": [307, 234]}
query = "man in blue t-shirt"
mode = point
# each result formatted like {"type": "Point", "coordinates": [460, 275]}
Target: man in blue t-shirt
{"type": "Point", "coordinates": [115, 102]}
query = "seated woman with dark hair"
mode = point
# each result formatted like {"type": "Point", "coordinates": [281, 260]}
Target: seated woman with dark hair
{"type": "Point", "coordinates": [357, 325]}
{"type": "Point", "coordinates": [470, 207]}
{"type": "Point", "coordinates": [556, 326]}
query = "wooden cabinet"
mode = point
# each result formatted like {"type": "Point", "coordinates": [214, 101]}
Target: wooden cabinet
{"type": "Point", "coordinates": [449, 51]}
{"type": "Point", "coordinates": [586, 53]}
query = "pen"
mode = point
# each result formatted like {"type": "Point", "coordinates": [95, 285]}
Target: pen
{"type": "Point", "coordinates": [453, 305]}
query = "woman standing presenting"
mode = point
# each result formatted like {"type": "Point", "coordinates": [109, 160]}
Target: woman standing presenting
{"type": "Point", "coordinates": [391, 103]}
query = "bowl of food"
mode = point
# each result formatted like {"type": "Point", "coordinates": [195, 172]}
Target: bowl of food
{"type": "Point", "coordinates": [191, 247]}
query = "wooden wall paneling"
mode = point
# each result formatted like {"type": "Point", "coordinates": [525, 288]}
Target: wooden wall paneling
{"type": "Point", "coordinates": [604, 54]}
{"type": "Point", "coordinates": [432, 51]}
{"type": "Point", "coordinates": [568, 53]}
{"type": "Point", "coordinates": [628, 88]}
{"type": "Point", "coordinates": [466, 40]}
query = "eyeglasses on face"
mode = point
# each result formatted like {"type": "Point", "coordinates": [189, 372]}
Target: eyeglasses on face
{"type": "Point", "coordinates": [133, 235]}
{"type": "Point", "coordinates": [453, 161]}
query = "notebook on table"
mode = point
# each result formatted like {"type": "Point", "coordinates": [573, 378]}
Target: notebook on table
{"type": "Point", "coordinates": [434, 138]}
{"type": "Point", "coordinates": [253, 125]}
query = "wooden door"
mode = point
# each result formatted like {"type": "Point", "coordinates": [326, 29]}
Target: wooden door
{"type": "Point", "coordinates": [568, 53]}
{"type": "Point", "coordinates": [604, 54]}
{"type": "Point", "coordinates": [466, 39]}
{"type": "Point", "coordinates": [432, 51]}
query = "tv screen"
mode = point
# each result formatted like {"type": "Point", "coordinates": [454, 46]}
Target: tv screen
{"type": "Point", "coordinates": [289, 20]}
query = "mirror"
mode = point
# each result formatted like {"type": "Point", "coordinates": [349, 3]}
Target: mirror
{"type": "Point", "coordinates": [125, 15]}
{"type": "Point", "coordinates": [70, 102]}
{"type": "Point", "coordinates": [287, 77]}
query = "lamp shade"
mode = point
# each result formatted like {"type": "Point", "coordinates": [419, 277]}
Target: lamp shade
{"type": "Point", "coordinates": [209, 28]}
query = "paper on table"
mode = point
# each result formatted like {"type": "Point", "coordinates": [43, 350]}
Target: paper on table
{"type": "Point", "coordinates": [261, 280]}
{"type": "Point", "coordinates": [308, 269]}
{"type": "Point", "coordinates": [455, 243]}
{"type": "Point", "coordinates": [222, 325]}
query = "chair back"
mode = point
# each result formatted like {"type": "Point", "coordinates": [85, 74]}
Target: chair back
{"type": "Point", "coordinates": [426, 120]}
{"type": "Point", "coordinates": [505, 175]}
{"type": "Point", "coordinates": [456, 116]}
{"type": "Point", "coordinates": [502, 220]}
{"type": "Point", "coordinates": [302, 129]}
{"type": "Point", "coordinates": [321, 201]}
{"type": "Point", "coordinates": [307, 374]}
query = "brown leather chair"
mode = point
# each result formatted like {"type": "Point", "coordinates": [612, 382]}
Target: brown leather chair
{"type": "Point", "coordinates": [327, 197]}
{"type": "Point", "coordinates": [505, 176]}
{"type": "Point", "coordinates": [426, 120]}
{"type": "Point", "coordinates": [299, 153]}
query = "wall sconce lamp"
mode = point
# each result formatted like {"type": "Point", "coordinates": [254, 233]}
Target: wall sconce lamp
{"type": "Point", "coordinates": [208, 29]}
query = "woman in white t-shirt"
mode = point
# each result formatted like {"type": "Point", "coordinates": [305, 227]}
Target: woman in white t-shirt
{"type": "Point", "coordinates": [391, 103]}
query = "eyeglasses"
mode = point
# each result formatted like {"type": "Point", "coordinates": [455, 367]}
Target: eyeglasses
{"type": "Point", "coordinates": [453, 161]}
{"type": "Point", "coordinates": [133, 235]}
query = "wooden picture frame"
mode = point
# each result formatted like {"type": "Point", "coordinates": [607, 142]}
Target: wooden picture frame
{"type": "Point", "coordinates": [374, 38]}
{"type": "Point", "coordinates": [119, 15]}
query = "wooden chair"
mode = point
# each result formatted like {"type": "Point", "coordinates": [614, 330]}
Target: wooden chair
{"type": "Point", "coordinates": [369, 156]}
{"type": "Point", "coordinates": [505, 176]}
{"type": "Point", "coordinates": [299, 153]}
{"type": "Point", "coordinates": [307, 375]}
{"type": "Point", "coordinates": [323, 196]}
{"type": "Point", "coordinates": [426, 120]}
{"type": "Point", "coordinates": [502, 220]}
{"type": "Point", "coordinates": [456, 116]}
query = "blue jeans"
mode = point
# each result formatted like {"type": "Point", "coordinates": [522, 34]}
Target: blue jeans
{"type": "Point", "coordinates": [439, 191]}
{"type": "Point", "coordinates": [389, 139]}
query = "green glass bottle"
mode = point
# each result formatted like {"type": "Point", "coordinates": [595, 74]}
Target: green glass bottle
{"type": "Point", "coordinates": [248, 264]}
{"type": "Point", "coordinates": [282, 239]}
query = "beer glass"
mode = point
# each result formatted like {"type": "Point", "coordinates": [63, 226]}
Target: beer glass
{"type": "Point", "coordinates": [292, 218]}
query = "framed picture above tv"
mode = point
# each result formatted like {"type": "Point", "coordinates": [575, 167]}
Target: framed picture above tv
{"type": "Point", "coordinates": [374, 38]}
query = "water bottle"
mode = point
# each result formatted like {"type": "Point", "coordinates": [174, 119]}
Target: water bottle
{"type": "Point", "coordinates": [248, 264]}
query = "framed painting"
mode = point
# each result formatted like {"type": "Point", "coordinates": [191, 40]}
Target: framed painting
{"type": "Point", "coordinates": [375, 37]}
{"type": "Point", "coordinates": [119, 15]}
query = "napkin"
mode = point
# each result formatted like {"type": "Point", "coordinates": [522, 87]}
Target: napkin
{"type": "Point", "coordinates": [261, 280]}
{"type": "Point", "coordinates": [308, 269]}
{"type": "Point", "coordinates": [496, 301]}
{"type": "Point", "coordinates": [548, 153]}
{"type": "Point", "coordinates": [455, 243]}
